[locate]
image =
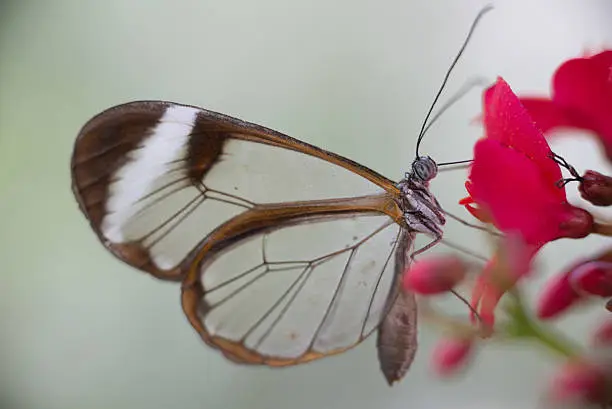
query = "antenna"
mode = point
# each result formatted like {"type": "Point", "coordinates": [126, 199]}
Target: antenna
{"type": "Point", "coordinates": [481, 13]}
{"type": "Point", "coordinates": [467, 87]}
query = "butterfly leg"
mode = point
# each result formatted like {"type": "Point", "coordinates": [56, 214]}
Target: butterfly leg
{"type": "Point", "coordinates": [437, 239]}
{"type": "Point", "coordinates": [472, 225]}
{"type": "Point", "coordinates": [418, 222]}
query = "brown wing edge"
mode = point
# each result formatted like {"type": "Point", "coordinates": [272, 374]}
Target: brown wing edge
{"type": "Point", "coordinates": [103, 142]}
{"type": "Point", "coordinates": [255, 221]}
{"type": "Point", "coordinates": [397, 340]}
{"type": "Point", "coordinates": [100, 149]}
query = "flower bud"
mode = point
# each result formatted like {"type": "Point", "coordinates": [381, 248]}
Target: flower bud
{"type": "Point", "coordinates": [558, 296]}
{"type": "Point", "coordinates": [603, 334]}
{"type": "Point", "coordinates": [593, 278]}
{"type": "Point", "coordinates": [596, 188]}
{"type": "Point", "coordinates": [580, 381]}
{"type": "Point", "coordinates": [451, 354]}
{"type": "Point", "coordinates": [435, 275]}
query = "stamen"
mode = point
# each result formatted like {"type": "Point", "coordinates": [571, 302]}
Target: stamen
{"type": "Point", "coordinates": [559, 160]}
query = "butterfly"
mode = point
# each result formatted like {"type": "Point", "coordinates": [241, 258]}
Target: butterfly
{"type": "Point", "coordinates": [280, 263]}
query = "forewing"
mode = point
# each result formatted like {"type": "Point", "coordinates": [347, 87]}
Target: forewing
{"type": "Point", "coordinates": [397, 335]}
{"type": "Point", "coordinates": [155, 179]}
{"type": "Point", "coordinates": [298, 290]}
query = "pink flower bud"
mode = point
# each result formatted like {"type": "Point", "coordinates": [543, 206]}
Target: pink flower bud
{"type": "Point", "coordinates": [558, 296]}
{"type": "Point", "coordinates": [593, 278]}
{"type": "Point", "coordinates": [580, 381]}
{"type": "Point", "coordinates": [603, 334]}
{"type": "Point", "coordinates": [596, 188]}
{"type": "Point", "coordinates": [435, 275]}
{"type": "Point", "coordinates": [450, 355]}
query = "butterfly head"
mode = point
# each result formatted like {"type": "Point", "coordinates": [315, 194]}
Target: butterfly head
{"type": "Point", "coordinates": [424, 168]}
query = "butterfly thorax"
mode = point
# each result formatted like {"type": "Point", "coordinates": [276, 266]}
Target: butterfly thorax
{"type": "Point", "coordinates": [422, 212]}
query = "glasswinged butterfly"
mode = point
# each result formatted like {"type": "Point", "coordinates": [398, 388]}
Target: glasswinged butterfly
{"type": "Point", "coordinates": [185, 194]}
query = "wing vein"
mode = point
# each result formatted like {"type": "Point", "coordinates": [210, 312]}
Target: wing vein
{"type": "Point", "coordinates": [242, 287]}
{"type": "Point", "coordinates": [309, 269]}
{"type": "Point", "coordinates": [382, 271]}
{"type": "Point", "coordinates": [169, 220]}
{"type": "Point", "coordinates": [231, 280]}
{"type": "Point", "coordinates": [162, 188]}
{"type": "Point", "coordinates": [273, 307]}
{"type": "Point", "coordinates": [231, 196]}
{"type": "Point", "coordinates": [83, 160]}
{"type": "Point", "coordinates": [332, 305]}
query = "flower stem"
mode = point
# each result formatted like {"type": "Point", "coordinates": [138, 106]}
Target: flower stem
{"type": "Point", "coordinates": [555, 342]}
{"type": "Point", "coordinates": [602, 229]}
{"type": "Point", "coordinates": [523, 326]}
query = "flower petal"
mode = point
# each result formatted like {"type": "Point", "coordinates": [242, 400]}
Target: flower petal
{"type": "Point", "coordinates": [514, 192]}
{"type": "Point", "coordinates": [507, 121]}
{"type": "Point", "coordinates": [511, 262]}
{"type": "Point", "coordinates": [480, 214]}
{"type": "Point", "coordinates": [584, 85]}
{"type": "Point", "coordinates": [581, 98]}
{"type": "Point", "coordinates": [548, 115]}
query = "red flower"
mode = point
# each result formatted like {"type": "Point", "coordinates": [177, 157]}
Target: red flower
{"type": "Point", "coordinates": [513, 184]}
{"type": "Point", "coordinates": [513, 178]}
{"type": "Point", "coordinates": [581, 98]}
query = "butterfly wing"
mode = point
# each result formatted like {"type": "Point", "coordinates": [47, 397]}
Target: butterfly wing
{"type": "Point", "coordinates": [295, 292]}
{"type": "Point", "coordinates": [397, 334]}
{"type": "Point", "coordinates": [281, 262]}
{"type": "Point", "coordinates": [155, 178]}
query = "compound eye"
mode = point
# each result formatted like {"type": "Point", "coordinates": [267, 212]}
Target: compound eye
{"type": "Point", "coordinates": [425, 168]}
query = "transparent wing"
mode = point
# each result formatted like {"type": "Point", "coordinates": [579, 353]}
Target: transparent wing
{"type": "Point", "coordinates": [285, 250]}
{"type": "Point", "coordinates": [296, 292]}
{"type": "Point", "coordinates": [156, 179]}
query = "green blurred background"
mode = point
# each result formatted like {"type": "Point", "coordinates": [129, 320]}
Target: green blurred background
{"type": "Point", "coordinates": [80, 330]}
